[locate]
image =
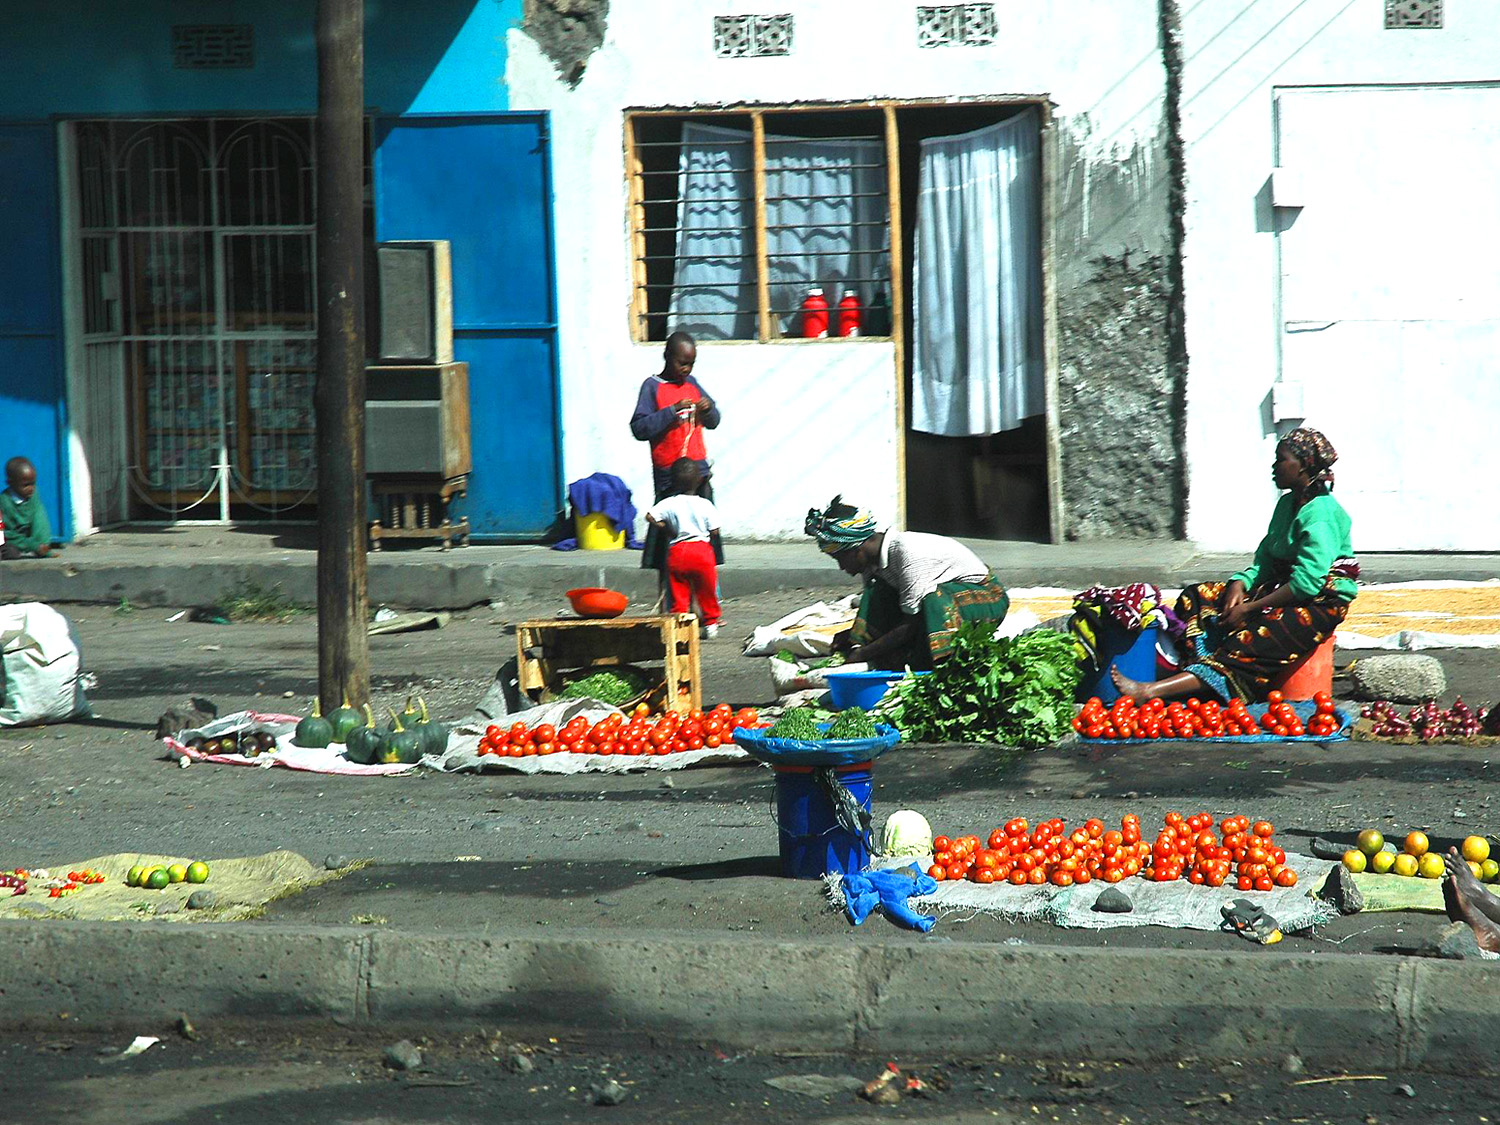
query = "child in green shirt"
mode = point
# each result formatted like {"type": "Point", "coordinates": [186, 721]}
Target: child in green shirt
{"type": "Point", "coordinates": [27, 532]}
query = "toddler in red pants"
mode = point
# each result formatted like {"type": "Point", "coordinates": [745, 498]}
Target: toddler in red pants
{"type": "Point", "coordinates": [690, 523]}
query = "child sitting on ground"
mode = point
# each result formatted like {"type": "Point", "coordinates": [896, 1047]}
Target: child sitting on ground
{"type": "Point", "coordinates": [691, 523]}
{"type": "Point", "coordinates": [27, 532]}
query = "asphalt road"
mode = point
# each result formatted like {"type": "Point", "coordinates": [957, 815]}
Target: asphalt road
{"type": "Point", "coordinates": [694, 852]}
{"type": "Point", "coordinates": [246, 1076]}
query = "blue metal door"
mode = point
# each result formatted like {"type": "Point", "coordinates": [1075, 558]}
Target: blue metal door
{"type": "Point", "coordinates": [483, 183]}
{"type": "Point", "coordinates": [33, 400]}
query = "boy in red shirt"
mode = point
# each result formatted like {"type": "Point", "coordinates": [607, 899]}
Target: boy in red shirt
{"type": "Point", "coordinates": [671, 413]}
{"type": "Point", "coordinates": [689, 522]}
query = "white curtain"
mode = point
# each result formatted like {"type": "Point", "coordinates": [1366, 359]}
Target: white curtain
{"type": "Point", "coordinates": [826, 219]}
{"type": "Point", "coordinates": [977, 315]}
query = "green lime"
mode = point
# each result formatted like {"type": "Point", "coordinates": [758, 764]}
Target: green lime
{"type": "Point", "coordinates": [177, 872]}
{"type": "Point", "coordinates": [133, 876]}
{"type": "Point", "coordinates": [197, 872]}
{"type": "Point", "coordinates": [158, 879]}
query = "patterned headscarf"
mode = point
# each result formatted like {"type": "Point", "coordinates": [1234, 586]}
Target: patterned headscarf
{"type": "Point", "coordinates": [1315, 452]}
{"type": "Point", "coordinates": [839, 527]}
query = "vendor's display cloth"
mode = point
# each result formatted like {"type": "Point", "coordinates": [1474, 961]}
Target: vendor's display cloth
{"type": "Point", "coordinates": [326, 759]}
{"type": "Point", "coordinates": [942, 613]}
{"type": "Point", "coordinates": [240, 888]}
{"type": "Point", "coordinates": [1402, 892]}
{"type": "Point", "coordinates": [1178, 905]}
{"type": "Point", "coordinates": [605, 495]}
{"type": "Point", "coordinates": [463, 748]}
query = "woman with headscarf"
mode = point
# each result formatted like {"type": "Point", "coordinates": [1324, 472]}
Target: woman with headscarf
{"type": "Point", "coordinates": [919, 589]}
{"type": "Point", "coordinates": [1244, 636]}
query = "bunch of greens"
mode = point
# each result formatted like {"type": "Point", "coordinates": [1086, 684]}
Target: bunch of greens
{"type": "Point", "coordinates": [615, 686]}
{"type": "Point", "coordinates": [799, 723]}
{"type": "Point", "coordinates": [853, 723]}
{"type": "Point", "coordinates": [1016, 691]}
{"type": "Point", "coordinates": [824, 662]}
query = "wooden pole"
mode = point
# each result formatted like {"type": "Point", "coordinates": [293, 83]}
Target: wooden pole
{"type": "Point", "coordinates": [343, 595]}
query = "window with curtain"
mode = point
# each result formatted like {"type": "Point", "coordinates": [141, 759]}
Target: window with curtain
{"type": "Point", "coordinates": [699, 234]}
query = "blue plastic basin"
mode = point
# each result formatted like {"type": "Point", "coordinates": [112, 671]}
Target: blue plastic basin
{"type": "Point", "coordinates": [861, 689]}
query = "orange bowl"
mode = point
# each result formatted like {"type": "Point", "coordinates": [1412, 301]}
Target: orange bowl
{"type": "Point", "coordinates": [596, 601]}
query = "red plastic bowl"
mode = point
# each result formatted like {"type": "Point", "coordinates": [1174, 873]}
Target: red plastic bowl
{"type": "Point", "coordinates": [596, 601]}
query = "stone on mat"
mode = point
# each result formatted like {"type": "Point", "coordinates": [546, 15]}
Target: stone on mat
{"type": "Point", "coordinates": [1112, 900]}
{"type": "Point", "coordinates": [1398, 677]}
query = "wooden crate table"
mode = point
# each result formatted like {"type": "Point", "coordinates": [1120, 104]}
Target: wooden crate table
{"type": "Point", "coordinates": [417, 508]}
{"type": "Point", "coordinates": [551, 651]}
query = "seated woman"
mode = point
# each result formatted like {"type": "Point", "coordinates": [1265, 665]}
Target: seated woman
{"type": "Point", "coordinates": [1246, 635]}
{"type": "Point", "coordinates": [919, 588]}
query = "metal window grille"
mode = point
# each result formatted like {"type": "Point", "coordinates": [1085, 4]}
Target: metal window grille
{"type": "Point", "coordinates": [812, 210]}
{"type": "Point", "coordinates": [199, 322]}
{"type": "Point", "coordinates": [753, 36]}
{"type": "Point", "coordinates": [947, 25]}
{"type": "Point", "coordinates": [1413, 14]}
{"type": "Point", "coordinates": [213, 46]}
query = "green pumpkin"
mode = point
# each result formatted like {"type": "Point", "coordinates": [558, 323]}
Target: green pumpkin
{"type": "Point", "coordinates": [433, 734]}
{"type": "Point", "coordinates": [345, 721]}
{"type": "Point", "coordinates": [363, 740]}
{"type": "Point", "coordinates": [313, 732]}
{"type": "Point", "coordinates": [409, 717]}
{"type": "Point", "coordinates": [401, 745]}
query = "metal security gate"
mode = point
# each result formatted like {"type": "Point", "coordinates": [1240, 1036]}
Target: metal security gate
{"type": "Point", "coordinates": [199, 339]}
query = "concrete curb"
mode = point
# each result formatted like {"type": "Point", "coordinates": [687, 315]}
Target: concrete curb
{"type": "Point", "coordinates": [878, 996]}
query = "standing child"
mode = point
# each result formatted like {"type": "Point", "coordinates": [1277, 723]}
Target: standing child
{"type": "Point", "coordinates": [27, 532]}
{"type": "Point", "coordinates": [690, 523]}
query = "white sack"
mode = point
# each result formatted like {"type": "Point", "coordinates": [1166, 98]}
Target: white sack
{"type": "Point", "coordinates": [41, 665]}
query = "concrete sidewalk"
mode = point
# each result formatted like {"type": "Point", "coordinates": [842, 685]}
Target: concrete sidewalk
{"type": "Point", "coordinates": [197, 565]}
{"type": "Point", "coordinates": [882, 996]}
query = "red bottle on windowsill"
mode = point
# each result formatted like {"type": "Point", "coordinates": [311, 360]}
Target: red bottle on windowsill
{"type": "Point", "coordinates": [848, 316]}
{"type": "Point", "coordinates": [814, 315]}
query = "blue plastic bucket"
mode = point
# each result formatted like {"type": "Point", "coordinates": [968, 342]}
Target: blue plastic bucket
{"type": "Point", "coordinates": [860, 689]}
{"type": "Point", "coordinates": [1135, 656]}
{"type": "Point", "coordinates": [813, 844]}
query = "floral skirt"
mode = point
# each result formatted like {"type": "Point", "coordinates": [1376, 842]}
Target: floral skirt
{"type": "Point", "coordinates": [1246, 663]}
{"type": "Point", "coordinates": [943, 612]}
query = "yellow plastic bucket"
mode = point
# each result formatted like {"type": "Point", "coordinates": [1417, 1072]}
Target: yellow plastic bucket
{"type": "Point", "coordinates": [597, 532]}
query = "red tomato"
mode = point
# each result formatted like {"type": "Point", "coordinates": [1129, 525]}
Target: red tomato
{"type": "Point", "coordinates": [997, 840]}
{"type": "Point", "coordinates": [1275, 697]}
{"type": "Point", "coordinates": [1264, 883]}
{"type": "Point", "coordinates": [1286, 877]}
{"type": "Point", "coordinates": [984, 875]}
{"type": "Point", "coordinates": [941, 844]}
{"type": "Point", "coordinates": [1245, 883]}
{"type": "Point", "coordinates": [1016, 826]}
{"type": "Point", "coordinates": [1036, 876]}
{"type": "Point", "coordinates": [1264, 829]}
{"type": "Point", "coordinates": [1017, 877]}
{"type": "Point", "coordinates": [955, 871]}
{"type": "Point", "coordinates": [938, 872]}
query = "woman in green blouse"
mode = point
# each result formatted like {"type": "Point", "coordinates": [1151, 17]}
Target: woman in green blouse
{"type": "Point", "coordinates": [1245, 635]}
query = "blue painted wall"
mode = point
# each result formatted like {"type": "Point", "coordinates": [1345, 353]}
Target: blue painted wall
{"type": "Point", "coordinates": [70, 57]}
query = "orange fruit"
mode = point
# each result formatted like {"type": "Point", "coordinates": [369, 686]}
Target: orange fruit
{"type": "Point", "coordinates": [1475, 849]}
{"type": "Point", "coordinates": [1371, 841]}
{"type": "Point", "coordinates": [1405, 865]}
{"type": "Point", "coordinates": [1382, 862]}
{"type": "Point", "coordinates": [1416, 844]}
{"type": "Point", "coordinates": [1354, 860]}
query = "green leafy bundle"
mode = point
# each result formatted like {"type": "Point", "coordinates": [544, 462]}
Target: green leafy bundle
{"type": "Point", "coordinates": [615, 687]}
{"type": "Point", "coordinates": [798, 723]}
{"type": "Point", "coordinates": [853, 723]}
{"type": "Point", "coordinates": [1016, 691]}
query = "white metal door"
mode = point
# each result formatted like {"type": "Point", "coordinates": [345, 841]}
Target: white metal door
{"type": "Point", "coordinates": [1389, 220]}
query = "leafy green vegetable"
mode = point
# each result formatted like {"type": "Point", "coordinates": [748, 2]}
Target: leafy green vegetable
{"type": "Point", "coordinates": [798, 723]}
{"type": "Point", "coordinates": [613, 686]}
{"type": "Point", "coordinates": [1017, 691]}
{"type": "Point", "coordinates": [853, 723]}
{"type": "Point", "coordinates": [785, 655]}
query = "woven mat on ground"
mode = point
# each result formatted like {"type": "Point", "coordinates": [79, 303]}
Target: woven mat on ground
{"type": "Point", "coordinates": [328, 759]}
{"type": "Point", "coordinates": [463, 748]}
{"type": "Point", "coordinates": [1178, 905]}
{"type": "Point", "coordinates": [1402, 892]}
{"type": "Point", "coordinates": [240, 886]}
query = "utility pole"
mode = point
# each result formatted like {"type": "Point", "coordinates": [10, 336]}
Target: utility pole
{"type": "Point", "coordinates": [343, 593]}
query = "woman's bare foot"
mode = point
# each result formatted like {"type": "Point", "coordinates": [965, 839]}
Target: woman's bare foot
{"type": "Point", "coordinates": [1468, 902]}
{"type": "Point", "coordinates": [1134, 690]}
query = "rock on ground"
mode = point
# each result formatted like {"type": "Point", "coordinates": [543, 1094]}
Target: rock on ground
{"type": "Point", "coordinates": [1398, 677]}
{"type": "Point", "coordinates": [403, 1056]}
{"type": "Point", "coordinates": [1454, 942]}
{"type": "Point", "coordinates": [610, 1093]}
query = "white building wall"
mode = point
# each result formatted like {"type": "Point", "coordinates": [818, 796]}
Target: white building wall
{"type": "Point", "coordinates": [801, 420]}
{"type": "Point", "coordinates": [1237, 57]}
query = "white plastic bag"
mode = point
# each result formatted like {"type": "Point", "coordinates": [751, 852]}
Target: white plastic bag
{"type": "Point", "coordinates": [805, 632]}
{"type": "Point", "coordinates": [41, 665]}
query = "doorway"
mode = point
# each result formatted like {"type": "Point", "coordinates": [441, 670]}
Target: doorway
{"type": "Point", "coordinates": [197, 335]}
{"type": "Point", "coordinates": [989, 485]}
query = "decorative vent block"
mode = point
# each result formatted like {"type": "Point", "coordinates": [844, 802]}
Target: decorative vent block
{"type": "Point", "coordinates": [213, 46]}
{"type": "Point", "coordinates": [746, 37]}
{"type": "Point", "coordinates": [1413, 13]}
{"type": "Point", "coordinates": [956, 25]}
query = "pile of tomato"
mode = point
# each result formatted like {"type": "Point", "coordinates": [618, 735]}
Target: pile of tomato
{"type": "Point", "coordinates": [1197, 718]}
{"type": "Point", "coordinates": [670, 733]}
{"type": "Point", "coordinates": [1186, 846]}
